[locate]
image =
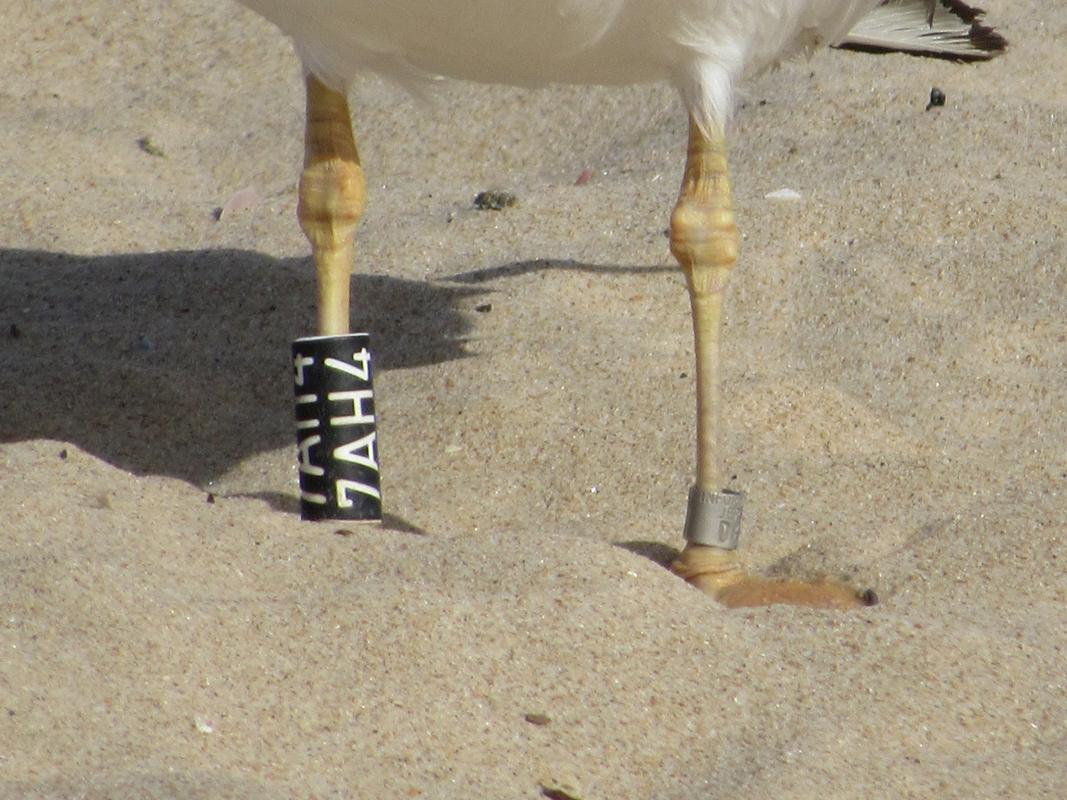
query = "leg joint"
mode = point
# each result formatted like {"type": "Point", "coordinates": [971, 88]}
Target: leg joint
{"type": "Point", "coordinates": [332, 197]}
{"type": "Point", "coordinates": [703, 233]}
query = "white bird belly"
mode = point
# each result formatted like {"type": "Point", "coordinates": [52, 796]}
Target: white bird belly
{"type": "Point", "coordinates": [533, 42]}
{"type": "Point", "coordinates": [521, 42]}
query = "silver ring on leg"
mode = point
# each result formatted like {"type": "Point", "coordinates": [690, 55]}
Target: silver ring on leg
{"type": "Point", "coordinates": [713, 519]}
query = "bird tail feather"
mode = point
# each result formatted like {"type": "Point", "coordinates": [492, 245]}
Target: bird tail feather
{"type": "Point", "coordinates": [940, 28]}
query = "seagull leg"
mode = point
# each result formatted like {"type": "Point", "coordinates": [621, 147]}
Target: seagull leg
{"type": "Point", "coordinates": [705, 242]}
{"type": "Point", "coordinates": [331, 200]}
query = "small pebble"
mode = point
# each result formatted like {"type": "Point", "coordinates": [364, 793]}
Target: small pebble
{"type": "Point", "coordinates": [537, 719]}
{"type": "Point", "coordinates": [150, 147]}
{"type": "Point", "coordinates": [240, 200]}
{"type": "Point", "coordinates": [101, 500]}
{"type": "Point", "coordinates": [560, 789]}
{"type": "Point", "coordinates": [203, 725]}
{"type": "Point", "coordinates": [786, 195]}
{"type": "Point", "coordinates": [494, 200]}
{"type": "Point", "coordinates": [937, 99]}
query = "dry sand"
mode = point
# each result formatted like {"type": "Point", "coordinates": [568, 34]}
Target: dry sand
{"type": "Point", "coordinates": [897, 413]}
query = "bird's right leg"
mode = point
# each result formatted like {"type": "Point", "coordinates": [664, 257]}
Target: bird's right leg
{"type": "Point", "coordinates": [332, 196]}
{"type": "Point", "coordinates": [705, 242]}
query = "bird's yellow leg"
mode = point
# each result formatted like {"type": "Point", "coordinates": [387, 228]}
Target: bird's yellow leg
{"type": "Point", "coordinates": [332, 195]}
{"type": "Point", "coordinates": [705, 242]}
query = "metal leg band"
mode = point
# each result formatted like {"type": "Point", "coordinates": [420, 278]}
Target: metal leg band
{"type": "Point", "coordinates": [714, 518]}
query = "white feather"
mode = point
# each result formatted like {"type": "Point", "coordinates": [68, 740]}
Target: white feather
{"type": "Point", "coordinates": [912, 25]}
{"type": "Point", "coordinates": [702, 47]}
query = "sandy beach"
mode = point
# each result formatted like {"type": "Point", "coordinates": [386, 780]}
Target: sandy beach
{"type": "Point", "coordinates": [895, 401]}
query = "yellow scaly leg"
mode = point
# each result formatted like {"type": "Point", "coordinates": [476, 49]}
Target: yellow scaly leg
{"type": "Point", "coordinates": [704, 240]}
{"type": "Point", "coordinates": [332, 196]}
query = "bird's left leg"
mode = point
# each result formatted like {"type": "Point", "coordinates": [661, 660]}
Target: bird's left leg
{"type": "Point", "coordinates": [705, 242]}
{"type": "Point", "coordinates": [332, 196]}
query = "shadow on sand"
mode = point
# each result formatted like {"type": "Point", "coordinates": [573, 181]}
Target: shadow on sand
{"type": "Point", "coordinates": [177, 363]}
